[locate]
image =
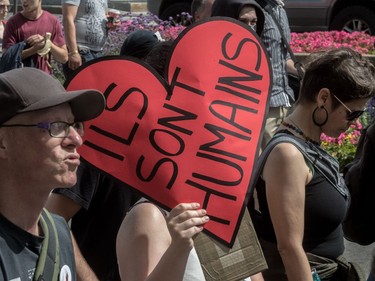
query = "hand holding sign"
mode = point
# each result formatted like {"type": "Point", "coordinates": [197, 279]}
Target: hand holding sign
{"type": "Point", "coordinates": [193, 139]}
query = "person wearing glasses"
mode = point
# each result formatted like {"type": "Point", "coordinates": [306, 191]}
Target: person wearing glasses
{"type": "Point", "coordinates": [303, 207]}
{"type": "Point", "coordinates": [40, 35]}
{"type": "Point", "coordinates": [41, 127]}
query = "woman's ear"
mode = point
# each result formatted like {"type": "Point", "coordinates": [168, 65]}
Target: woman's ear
{"type": "Point", "coordinates": [323, 96]}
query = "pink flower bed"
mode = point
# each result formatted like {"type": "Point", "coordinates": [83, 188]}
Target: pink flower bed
{"type": "Point", "coordinates": [308, 42]}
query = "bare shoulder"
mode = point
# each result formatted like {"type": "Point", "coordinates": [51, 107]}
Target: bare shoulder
{"type": "Point", "coordinates": [286, 152]}
{"type": "Point", "coordinates": [144, 217]}
{"type": "Point", "coordinates": [287, 160]}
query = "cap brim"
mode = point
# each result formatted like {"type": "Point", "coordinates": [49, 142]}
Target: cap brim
{"type": "Point", "coordinates": [86, 104]}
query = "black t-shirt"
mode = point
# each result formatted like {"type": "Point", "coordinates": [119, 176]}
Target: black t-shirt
{"type": "Point", "coordinates": [105, 202]}
{"type": "Point", "coordinates": [20, 250]}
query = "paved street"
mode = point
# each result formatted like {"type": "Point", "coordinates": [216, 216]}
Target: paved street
{"type": "Point", "coordinates": [360, 254]}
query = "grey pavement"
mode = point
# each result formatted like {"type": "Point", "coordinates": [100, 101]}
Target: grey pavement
{"type": "Point", "coordinates": [360, 254]}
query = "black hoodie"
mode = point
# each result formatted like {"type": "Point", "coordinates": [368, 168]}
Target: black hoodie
{"type": "Point", "coordinates": [232, 9]}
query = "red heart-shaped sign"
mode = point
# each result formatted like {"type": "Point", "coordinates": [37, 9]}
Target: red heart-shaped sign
{"type": "Point", "coordinates": [193, 139]}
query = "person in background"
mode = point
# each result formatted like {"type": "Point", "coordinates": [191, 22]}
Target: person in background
{"type": "Point", "coordinates": [163, 239]}
{"type": "Point", "coordinates": [139, 43]}
{"type": "Point", "coordinates": [4, 6]}
{"type": "Point", "coordinates": [42, 33]}
{"type": "Point", "coordinates": [282, 96]}
{"type": "Point", "coordinates": [96, 206]}
{"type": "Point", "coordinates": [250, 13]}
{"type": "Point", "coordinates": [41, 127]}
{"type": "Point", "coordinates": [246, 11]}
{"type": "Point", "coordinates": [359, 177]}
{"type": "Point", "coordinates": [201, 9]}
{"type": "Point", "coordinates": [96, 197]}
{"type": "Point", "coordinates": [303, 204]}
{"type": "Point", "coordinates": [85, 28]}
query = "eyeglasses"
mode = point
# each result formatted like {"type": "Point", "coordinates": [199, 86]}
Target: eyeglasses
{"type": "Point", "coordinates": [352, 115]}
{"type": "Point", "coordinates": [58, 129]}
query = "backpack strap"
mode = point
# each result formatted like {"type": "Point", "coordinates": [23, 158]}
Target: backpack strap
{"type": "Point", "coordinates": [322, 162]}
{"type": "Point", "coordinates": [49, 260]}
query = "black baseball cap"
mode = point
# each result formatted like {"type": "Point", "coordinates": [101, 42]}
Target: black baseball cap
{"type": "Point", "coordinates": [30, 89]}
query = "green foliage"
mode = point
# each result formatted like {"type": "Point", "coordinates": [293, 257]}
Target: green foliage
{"type": "Point", "coordinates": [344, 147]}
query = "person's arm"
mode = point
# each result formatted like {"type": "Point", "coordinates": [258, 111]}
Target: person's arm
{"type": "Point", "coordinates": [153, 248]}
{"type": "Point", "coordinates": [69, 13]}
{"type": "Point", "coordinates": [9, 36]}
{"type": "Point", "coordinates": [36, 43]}
{"type": "Point", "coordinates": [60, 54]}
{"type": "Point", "coordinates": [257, 277]}
{"type": "Point", "coordinates": [83, 270]}
{"type": "Point", "coordinates": [67, 208]}
{"type": "Point", "coordinates": [58, 47]}
{"type": "Point", "coordinates": [290, 68]}
{"type": "Point", "coordinates": [286, 175]}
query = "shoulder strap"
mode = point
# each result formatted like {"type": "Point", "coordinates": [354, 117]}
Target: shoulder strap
{"type": "Point", "coordinates": [297, 64]}
{"type": "Point", "coordinates": [325, 165]}
{"type": "Point", "coordinates": [49, 259]}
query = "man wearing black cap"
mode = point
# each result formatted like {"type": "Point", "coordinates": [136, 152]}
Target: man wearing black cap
{"type": "Point", "coordinates": [40, 130]}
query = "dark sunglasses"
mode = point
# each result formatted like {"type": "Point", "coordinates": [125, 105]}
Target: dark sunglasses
{"type": "Point", "coordinates": [352, 115]}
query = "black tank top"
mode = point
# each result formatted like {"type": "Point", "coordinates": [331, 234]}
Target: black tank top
{"type": "Point", "coordinates": [325, 210]}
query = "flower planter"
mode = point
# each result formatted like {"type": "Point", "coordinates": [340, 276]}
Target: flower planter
{"type": "Point", "coordinates": [302, 56]}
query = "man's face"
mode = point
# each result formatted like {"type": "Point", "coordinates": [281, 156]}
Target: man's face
{"type": "Point", "coordinates": [30, 6]}
{"type": "Point", "coordinates": [4, 5]}
{"type": "Point", "coordinates": [35, 157]}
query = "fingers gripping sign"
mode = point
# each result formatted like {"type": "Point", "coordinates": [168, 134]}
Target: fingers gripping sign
{"type": "Point", "coordinates": [185, 221]}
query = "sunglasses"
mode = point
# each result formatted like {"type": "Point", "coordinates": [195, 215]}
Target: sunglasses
{"type": "Point", "coordinates": [352, 115]}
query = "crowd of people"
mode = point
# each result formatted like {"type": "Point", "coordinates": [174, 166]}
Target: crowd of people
{"type": "Point", "coordinates": [95, 227]}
